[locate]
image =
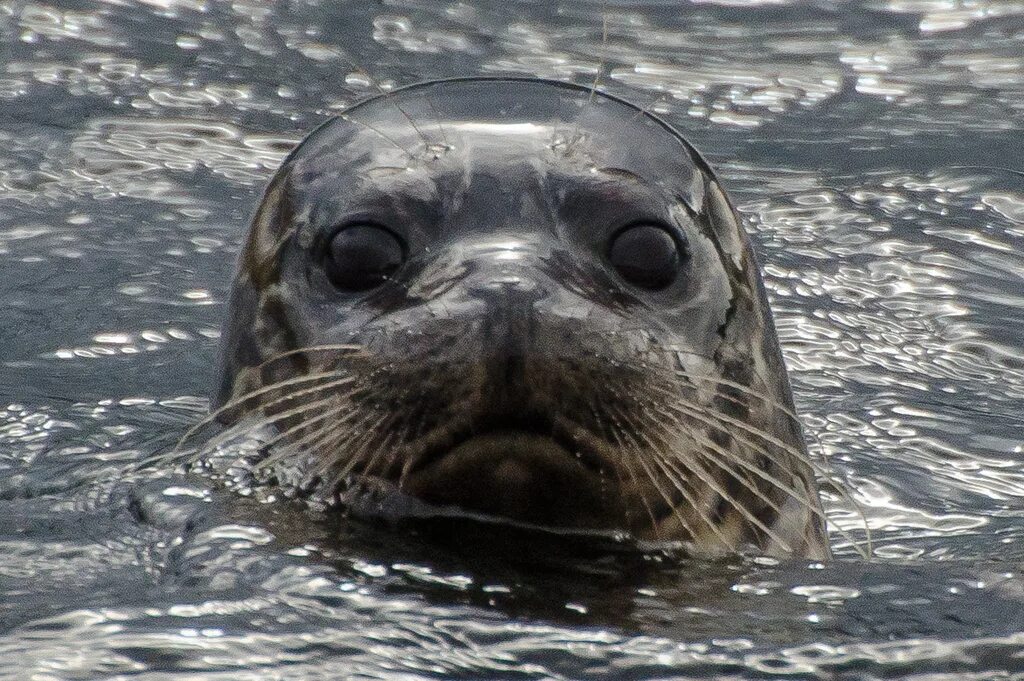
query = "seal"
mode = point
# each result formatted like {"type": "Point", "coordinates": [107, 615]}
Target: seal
{"type": "Point", "coordinates": [525, 299]}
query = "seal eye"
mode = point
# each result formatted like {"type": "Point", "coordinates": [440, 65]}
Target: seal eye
{"type": "Point", "coordinates": [361, 257]}
{"type": "Point", "coordinates": [645, 255]}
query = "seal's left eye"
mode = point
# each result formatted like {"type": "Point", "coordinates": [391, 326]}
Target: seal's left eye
{"type": "Point", "coordinates": [361, 257]}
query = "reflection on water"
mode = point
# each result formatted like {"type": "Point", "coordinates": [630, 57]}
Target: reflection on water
{"type": "Point", "coordinates": [874, 150]}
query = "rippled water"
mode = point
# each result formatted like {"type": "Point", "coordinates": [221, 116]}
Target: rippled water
{"type": "Point", "coordinates": [875, 150]}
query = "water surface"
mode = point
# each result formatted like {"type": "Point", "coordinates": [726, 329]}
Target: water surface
{"type": "Point", "coordinates": [874, 149]}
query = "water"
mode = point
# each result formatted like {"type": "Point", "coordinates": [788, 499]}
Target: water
{"type": "Point", "coordinates": [875, 150]}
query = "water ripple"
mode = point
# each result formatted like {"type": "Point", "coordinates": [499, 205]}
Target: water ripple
{"type": "Point", "coordinates": [873, 149]}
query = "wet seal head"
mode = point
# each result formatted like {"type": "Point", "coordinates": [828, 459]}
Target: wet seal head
{"type": "Point", "coordinates": [526, 299]}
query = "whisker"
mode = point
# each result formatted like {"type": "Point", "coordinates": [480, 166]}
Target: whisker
{"type": "Point", "coordinates": [331, 347]}
{"type": "Point", "coordinates": [810, 463]}
{"type": "Point", "coordinates": [796, 453]}
{"type": "Point", "coordinates": [386, 422]}
{"type": "Point", "coordinates": [385, 136]}
{"type": "Point", "coordinates": [291, 397]}
{"type": "Point", "coordinates": [385, 453]}
{"type": "Point", "coordinates": [600, 63]}
{"type": "Point", "coordinates": [704, 415]}
{"type": "Point", "coordinates": [361, 438]}
{"type": "Point", "coordinates": [738, 386]}
{"type": "Point", "coordinates": [319, 418]}
{"type": "Point", "coordinates": [343, 412]}
{"type": "Point", "coordinates": [629, 469]}
{"type": "Point", "coordinates": [655, 525]}
{"type": "Point", "coordinates": [709, 418]}
{"type": "Point", "coordinates": [746, 390]}
{"type": "Point", "coordinates": [772, 402]}
{"type": "Point", "coordinates": [631, 432]}
{"type": "Point", "coordinates": [742, 479]}
{"type": "Point", "coordinates": [384, 93]}
{"type": "Point", "coordinates": [329, 435]}
{"type": "Point", "coordinates": [648, 107]}
{"type": "Point", "coordinates": [389, 96]}
{"type": "Point", "coordinates": [246, 397]}
{"type": "Point", "coordinates": [222, 438]}
{"type": "Point", "coordinates": [661, 460]}
{"type": "Point", "coordinates": [671, 469]}
{"type": "Point", "coordinates": [790, 492]}
{"type": "Point", "coordinates": [763, 474]}
{"type": "Point", "coordinates": [437, 119]}
{"type": "Point", "coordinates": [273, 418]}
{"type": "Point", "coordinates": [708, 479]}
{"type": "Point", "coordinates": [597, 76]}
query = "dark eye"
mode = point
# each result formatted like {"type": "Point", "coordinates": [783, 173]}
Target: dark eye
{"type": "Point", "coordinates": [647, 256]}
{"type": "Point", "coordinates": [361, 257]}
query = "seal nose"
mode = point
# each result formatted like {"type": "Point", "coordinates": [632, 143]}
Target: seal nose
{"type": "Point", "coordinates": [508, 331]}
{"type": "Point", "coordinates": [505, 274]}
{"type": "Point", "coordinates": [507, 284]}
{"type": "Point", "coordinates": [509, 311]}
{"type": "Point", "coordinates": [507, 291]}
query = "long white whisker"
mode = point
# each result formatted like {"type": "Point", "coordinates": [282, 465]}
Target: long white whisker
{"type": "Point", "coordinates": [342, 412]}
{"type": "Point", "coordinates": [338, 408]}
{"type": "Point", "coordinates": [385, 95]}
{"type": "Point", "coordinates": [715, 419]}
{"type": "Point", "coordinates": [331, 347]}
{"type": "Point", "coordinates": [707, 478]}
{"type": "Point", "coordinates": [596, 411]}
{"type": "Point", "coordinates": [664, 462]}
{"type": "Point", "coordinates": [247, 397]}
{"type": "Point", "coordinates": [361, 439]}
{"type": "Point", "coordinates": [597, 76]}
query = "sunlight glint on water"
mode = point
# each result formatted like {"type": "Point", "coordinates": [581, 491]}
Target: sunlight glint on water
{"type": "Point", "coordinates": [872, 147]}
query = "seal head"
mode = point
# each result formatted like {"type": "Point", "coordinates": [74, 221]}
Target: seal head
{"type": "Point", "coordinates": [527, 299]}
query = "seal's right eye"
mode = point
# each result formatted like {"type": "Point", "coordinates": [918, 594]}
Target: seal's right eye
{"type": "Point", "coordinates": [646, 255]}
{"type": "Point", "coordinates": [361, 257]}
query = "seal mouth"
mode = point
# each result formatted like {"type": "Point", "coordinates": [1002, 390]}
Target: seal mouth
{"type": "Point", "coordinates": [528, 467]}
{"type": "Point", "coordinates": [519, 432]}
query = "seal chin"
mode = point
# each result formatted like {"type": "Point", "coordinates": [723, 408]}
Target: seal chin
{"type": "Point", "coordinates": [518, 475]}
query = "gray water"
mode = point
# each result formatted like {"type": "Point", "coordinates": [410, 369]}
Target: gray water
{"type": "Point", "coordinates": [875, 150]}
